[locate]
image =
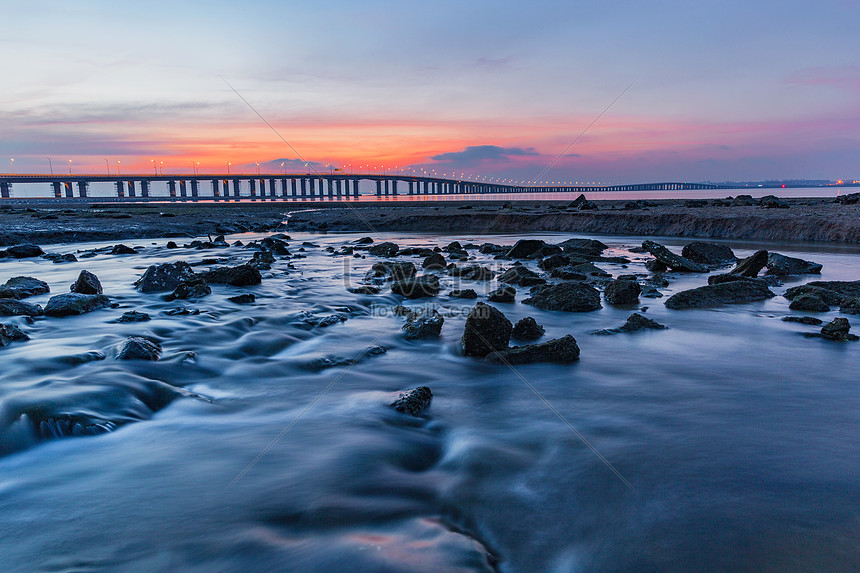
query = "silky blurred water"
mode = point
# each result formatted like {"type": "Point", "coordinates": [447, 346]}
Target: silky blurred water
{"type": "Point", "coordinates": [248, 448]}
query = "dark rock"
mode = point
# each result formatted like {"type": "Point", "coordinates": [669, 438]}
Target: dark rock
{"type": "Point", "coordinates": [165, 276]}
{"type": "Point", "coordinates": [708, 253]}
{"type": "Point", "coordinates": [743, 201]}
{"type": "Point", "coordinates": [590, 246]}
{"type": "Point", "coordinates": [781, 265]}
{"type": "Point", "coordinates": [472, 273]}
{"type": "Point", "coordinates": [10, 333]}
{"type": "Point", "coordinates": [138, 348]}
{"type": "Point", "coordinates": [812, 321]}
{"type": "Point", "coordinates": [361, 241]}
{"type": "Point", "coordinates": [134, 316]}
{"type": "Point", "coordinates": [728, 278]}
{"type": "Point", "coordinates": [503, 294]}
{"type": "Point", "coordinates": [832, 292]}
{"type": "Point", "coordinates": [523, 248]}
{"type": "Point", "coordinates": [58, 258]}
{"type": "Point", "coordinates": [750, 266]}
{"type": "Point", "coordinates": [808, 303]}
{"type": "Point", "coordinates": [545, 251]}
{"type": "Point", "coordinates": [434, 261]}
{"type": "Point", "coordinates": [23, 287]}
{"type": "Point", "coordinates": [656, 266]}
{"type": "Point", "coordinates": [242, 275]}
{"type": "Point", "coordinates": [486, 330]}
{"type": "Point", "coordinates": [719, 294]}
{"type": "Point", "coordinates": [527, 329]}
{"type": "Point", "coordinates": [554, 261]}
{"type": "Point", "coordinates": [837, 330]}
{"type": "Point", "coordinates": [425, 323]}
{"type": "Point", "coordinates": [650, 292]}
{"type": "Point", "coordinates": [671, 260]}
{"type": "Point", "coordinates": [492, 248]}
{"type": "Point", "coordinates": [247, 298]}
{"type": "Point", "coordinates": [172, 245]}
{"type": "Point", "coordinates": [567, 297]}
{"type": "Point", "coordinates": [384, 249]}
{"type": "Point", "coordinates": [266, 257]}
{"type": "Point", "coordinates": [364, 289]}
{"type": "Point", "coordinates": [589, 269]}
{"type": "Point", "coordinates": [568, 274]}
{"type": "Point", "coordinates": [622, 292]}
{"type": "Point", "coordinates": [772, 202]}
{"type": "Point", "coordinates": [75, 303]}
{"type": "Point", "coordinates": [850, 199]}
{"type": "Point", "coordinates": [413, 401]}
{"type": "Point", "coordinates": [850, 306]}
{"type": "Point", "coordinates": [520, 275]}
{"type": "Point", "coordinates": [397, 271]}
{"type": "Point", "coordinates": [453, 247]}
{"type": "Point", "coordinates": [13, 307]}
{"type": "Point", "coordinates": [311, 319]}
{"type": "Point", "coordinates": [182, 311]}
{"type": "Point", "coordinates": [561, 350]}
{"type": "Point", "coordinates": [24, 251]}
{"type": "Point", "coordinates": [465, 293]}
{"type": "Point", "coordinates": [417, 287]}
{"type": "Point", "coordinates": [578, 202]}
{"type": "Point", "coordinates": [193, 288]}
{"type": "Point", "coordinates": [87, 283]}
{"type": "Point", "coordinates": [588, 206]}
{"type": "Point", "coordinates": [635, 322]}
{"type": "Point", "coordinates": [122, 250]}
{"type": "Point", "coordinates": [695, 203]}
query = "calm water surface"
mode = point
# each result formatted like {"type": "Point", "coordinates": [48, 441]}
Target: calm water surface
{"type": "Point", "coordinates": [253, 446]}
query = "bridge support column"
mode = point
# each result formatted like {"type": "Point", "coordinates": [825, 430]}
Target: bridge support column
{"type": "Point", "coordinates": [355, 188]}
{"type": "Point", "coordinates": [330, 188]}
{"type": "Point", "coordinates": [253, 185]}
{"type": "Point", "coordinates": [293, 187]}
{"type": "Point", "coordinates": [195, 189]}
{"type": "Point", "coordinates": [120, 189]}
{"type": "Point", "coordinates": [5, 190]}
{"type": "Point", "coordinates": [183, 189]}
{"type": "Point", "coordinates": [130, 186]}
{"type": "Point", "coordinates": [394, 187]}
{"type": "Point", "coordinates": [55, 185]}
{"type": "Point", "coordinates": [378, 188]}
{"type": "Point", "coordinates": [236, 188]}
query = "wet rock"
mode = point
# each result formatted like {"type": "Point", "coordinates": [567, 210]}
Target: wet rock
{"type": "Point", "coordinates": [58, 258]}
{"type": "Point", "coordinates": [194, 288]}
{"type": "Point", "coordinates": [589, 246]}
{"type": "Point", "coordinates": [417, 287]}
{"type": "Point", "coordinates": [172, 245]}
{"type": "Point", "coordinates": [242, 275]}
{"type": "Point", "coordinates": [810, 320]}
{"type": "Point", "coordinates": [554, 261]}
{"type": "Point", "coordinates": [122, 250]}
{"type": "Point", "coordinates": [527, 329]}
{"type": "Point", "coordinates": [560, 350]}
{"type": "Point", "coordinates": [622, 292]}
{"type": "Point", "coordinates": [781, 265]}
{"type": "Point", "coordinates": [465, 293]}
{"type": "Point", "coordinates": [750, 266]}
{"type": "Point", "coordinates": [772, 202]}
{"type": "Point", "coordinates": [716, 295]}
{"type": "Point", "coordinates": [567, 297]}
{"type": "Point", "coordinates": [578, 202]}
{"type": "Point", "coordinates": [434, 261]}
{"type": "Point", "coordinates": [589, 270]}
{"type": "Point", "coordinates": [14, 307]}
{"type": "Point", "coordinates": [808, 303]}
{"type": "Point", "coordinates": [165, 276]}
{"type": "Point", "coordinates": [311, 319]}
{"type": "Point", "coordinates": [247, 298]}
{"type": "Point", "coordinates": [472, 273]}
{"type": "Point", "coordinates": [10, 333]}
{"type": "Point", "coordinates": [397, 271]}
{"type": "Point", "coordinates": [567, 274]}
{"type": "Point", "coordinates": [650, 292]}
{"type": "Point", "coordinates": [453, 247]}
{"type": "Point", "coordinates": [361, 241]}
{"type": "Point", "coordinates": [850, 306]}
{"type": "Point", "coordinates": [671, 260]}
{"type": "Point", "coordinates": [850, 199]}
{"type": "Point", "coordinates": [695, 203]}
{"type": "Point", "coordinates": [23, 287]}
{"type": "Point", "coordinates": [413, 401]}
{"type": "Point", "coordinates": [364, 289]}
{"type": "Point", "coordinates": [838, 330]}
{"type": "Point", "coordinates": [86, 283]}
{"type": "Point", "coordinates": [265, 257]}
{"type": "Point", "coordinates": [138, 348]}
{"type": "Point", "coordinates": [708, 253]}
{"type": "Point", "coordinates": [520, 275]}
{"type": "Point", "coordinates": [523, 248]}
{"type": "Point", "coordinates": [503, 294]}
{"type": "Point", "coordinates": [492, 249]}
{"type": "Point", "coordinates": [635, 323]}
{"type": "Point", "coordinates": [831, 292]}
{"type": "Point", "coordinates": [486, 330]}
{"type": "Point", "coordinates": [545, 251]}
{"type": "Point", "coordinates": [134, 316]}
{"type": "Point", "coordinates": [182, 311]}
{"type": "Point", "coordinates": [424, 323]}
{"type": "Point", "coordinates": [385, 249]}
{"type": "Point", "coordinates": [74, 304]}
{"type": "Point", "coordinates": [656, 266]}
{"type": "Point", "coordinates": [24, 251]}
{"type": "Point", "coordinates": [743, 201]}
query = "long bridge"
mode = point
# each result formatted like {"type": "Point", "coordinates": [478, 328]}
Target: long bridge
{"type": "Point", "coordinates": [304, 186]}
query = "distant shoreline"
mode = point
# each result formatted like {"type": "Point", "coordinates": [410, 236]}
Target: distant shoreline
{"type": "Point", "coordinates": [806, 219]}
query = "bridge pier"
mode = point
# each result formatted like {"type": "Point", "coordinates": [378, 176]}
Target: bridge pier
{"type": "Point", "coordinates": [82, 188]}
{"type": "Point", "coordinates": [253, 184]}
{"type": "Point", "coordinates": [130, 186]}
{"type": "Point", "coordinates": [236, 188]}
{"type": "Point", "coordinates": [5, 190]}
{"type": "Point", "coordinates": [293, 187]}
{"type": "Point", "coordinates": [183, 189]}
{"type": "Point", "coordinates": [55, 185]}
{"type": "Point", "coordinates": [120, 189]}
{"type": "Point", "coordinates": [195, 189]}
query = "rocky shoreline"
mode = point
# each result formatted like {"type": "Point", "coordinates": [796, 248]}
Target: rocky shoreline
{"type": "Point", "coordinates": [802, 220]}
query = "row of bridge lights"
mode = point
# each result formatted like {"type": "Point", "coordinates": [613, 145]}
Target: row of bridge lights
{"type": "Point", "coordinates": [158, 169]}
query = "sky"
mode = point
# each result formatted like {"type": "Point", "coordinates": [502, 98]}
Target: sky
{"type": "Point", "coordinates": [553, 91]}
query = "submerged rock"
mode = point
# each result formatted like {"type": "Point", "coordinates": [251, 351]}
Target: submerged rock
{"type": "Point", "coordinates": [86, 283]}
{"type": "Point", "coordinates": [520, 275]}
{"type": "Point", "coordinates": [194, 288]}
{"type": "Point", "coordinates": [58, 258]}
{"type": "Point", "coordinates": [671, 260]}
{"type": "Point", "coordinates": [364, 289]}
{"type": "Point", "coordinates": [413, 401]}
{"type": "Point", "coordinates": [242, 275]}
{"type": "Point", "coordinates": [13, 307]}
{"type": "Point", "coordinates": [622, 292]}
{"type": "Point", "coordinates": [247, 298]}
{"type": "Point", "coordinates": [561, 350]}
{"type": "Point", "coordinates": [781, 265]}
{"type": "Point", "coordinates": [465, 293]}
{"type": "Point", "coordinates": [138, 348]}
{"type": "Point", "coordinates": [397, 271]}
{"type": "Point", "coordinates": [503, 294]}
{"type": "Point", "coordinates": [567, 297]}
{"type": "Point", "coordinates": [417, 287]}
{"type": "Point", "coordinates": [715, 295]}
{"type": "Point", "coordinates": [134, 316]}
{"type": "Point", "coordinates": [74, 304]}
{"type": "Point", "coordinates": [810, 320]}
{"type": "Point", "coordinates": [635, 322]}
{"type": "Point", "coordinates": [23, 287]}
{"type": "Point", "coordinates": [165, 276]}
{"type": "Point", "coordinates": [424, 323]}
{"type": "Point", "coordinates": [487, 329]}
{"type": "Point", "coordinates": [472, 273]}
{"type": "Point", "coordinates": [750, 266]}
{"type": "Point", "coordinates": [708, 253]}
{"type": "Point", "coordinates": [10, 333]}
{"type": "Point", "coordinates": [527, 329]}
